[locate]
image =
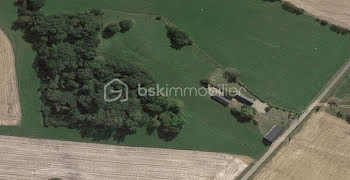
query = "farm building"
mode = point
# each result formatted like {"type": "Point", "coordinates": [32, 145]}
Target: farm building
{"type": "Point", "coordinates": [220, 99]}
{"type": "Point", "coordinates": [272, 135]}
{"type": "Point", "coordinates": [244, 99]}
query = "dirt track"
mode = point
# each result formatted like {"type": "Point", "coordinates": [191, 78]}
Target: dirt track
{"type": "Point", "coordinates": [24, 158]}
{"type": "Point", "coordinates": [319, 151]}
{"type": "Point", "coordinates": [10, 109]}
{"type": "Point", "coordinates": [334, 11]}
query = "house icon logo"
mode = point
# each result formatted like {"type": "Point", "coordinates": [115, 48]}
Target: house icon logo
{"type": "Point", "coordinates": [114, 91]}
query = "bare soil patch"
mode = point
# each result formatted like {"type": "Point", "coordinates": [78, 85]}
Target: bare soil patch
{"type": "Point", "coordinates": [334, 11]}
{"type": "Point", "coordinates": [319, 151]}
{"type": "Point", "coordinates": [10, 109]}
{"type": "Point", "coordinates": [25, 158]}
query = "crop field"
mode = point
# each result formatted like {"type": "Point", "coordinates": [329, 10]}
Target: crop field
{"type": "Point", "coordinates": [333, 11]}
{"type": "Point", "coordinates": [24, 158]}
{"type": "Point", "coordinates": [322, 145]}
{"type": "Point", "coordinates": [10, 109]}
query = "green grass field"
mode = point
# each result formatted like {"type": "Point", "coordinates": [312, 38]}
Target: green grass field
{"type": "Point", "coordinates": [277, 60]}
{"type": "Point", "coordinates": [273, 49]}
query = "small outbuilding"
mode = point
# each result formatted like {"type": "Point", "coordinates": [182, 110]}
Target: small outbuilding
{"type": "Point", "coordinates": [221, 99]}
{"type": "Point", "coordinates": [272, 135]}
{"type": "Point", "coordinates": [244, 99]}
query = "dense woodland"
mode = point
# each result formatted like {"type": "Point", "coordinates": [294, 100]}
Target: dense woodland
{"type": "Point", "coordinates": [73, 78]}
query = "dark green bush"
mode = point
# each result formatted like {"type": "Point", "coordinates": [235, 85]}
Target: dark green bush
{"type": "Point", "coordinates": [235, 111]}
{"type": "Point", "coordinates": [291, 8]}
{"type": "Point", "coordinates": [35, 5]}
{"type": "Point", "coordinates": [125, 25]}
{"type": "Point", "coordinates": [317, 108]}
{"type": "Point", "coordinates": [158, 18]}
{"type": "Point", "coordinates": [231, 75]}
{"type": "Point", "coordinates": [339, 30]}
{"type": "Point", "coordinates": [268, 108]}
{"type": "Point", "coordinates": [340, 114]}
{"type": "Point", "coordinates": [323, 22]}
{"type": "Point", "coordinates": [204, 82]}
{"type": "Point", "coordinates": [110, 30]}
{"type": "Point", "coordinates": [178, 38]}
{"type": "Point", "coordinates": [245, 114]}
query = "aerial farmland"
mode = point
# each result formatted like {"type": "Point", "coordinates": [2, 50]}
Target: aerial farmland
{"type": "Point", "coordinates": [67, 52]}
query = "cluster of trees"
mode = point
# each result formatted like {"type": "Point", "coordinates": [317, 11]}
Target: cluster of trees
{"type": "Point", "coordinates": [178, 38]}
{"type": "Point", "coordinates": [111, 29]}
{"type": "Point", "coordinates": [72, 79]}
{"type": "Point", "coordinates": [231, 75]}
{"type": "Point", "coordinates": [339, 30]}
{"type": "Point", "coordinates": [245, 114]}
{"type": "Point", "coordinates": [291, 8]}
{"type": "Point", "coordinates": [125, 25]}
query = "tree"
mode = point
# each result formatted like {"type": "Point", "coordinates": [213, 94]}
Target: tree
{"type": "Point", "coordinates": [204, 82]}
{"type": "Point", "coordinates": [97, 12]}
{"type": "Point", "coordinates": [111, 30]}
{"type": "Point", "coordinates": [125, 25]}
{"type": "Point", "coordinates": [158, 18]}
{"type": "Point", "coordinates": [152, 125]}
{"type": "Point", "coordinates": [35, 5]}
{"type": "Point", "coordinates": [340, 114]}
{"type": "Point", "coordinates": [268, 108]}
{"type": "Point", "coordinates": [171, 125]}
{"type": "Point", "coordinates": [178, 38]}
{"type": "Point", "coordinates": [323, 22]}
{"type": "Point", "coordinates": [231, 75]}
{"type": "Point", "coordinates": [235, 111]}
{"type": "Point", "coordinates": [245, 114]}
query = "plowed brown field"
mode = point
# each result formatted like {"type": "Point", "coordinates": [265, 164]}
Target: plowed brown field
{"type": "Point", "coordinates": [320, 151]}
{"type": "Point", "coordinates": [10, 109]}
{"type": "Point", "coordinates": [334, 11]}
{"type": "Point", "coordinates": [25, 158]}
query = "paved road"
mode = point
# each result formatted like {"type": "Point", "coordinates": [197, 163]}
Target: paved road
{"type": "Point", "coordinates": [278, 142]}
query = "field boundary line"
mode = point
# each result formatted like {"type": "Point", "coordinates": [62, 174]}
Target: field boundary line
{"type": "Point", "coordinates": [294, 125]}
{"type": "Point", "coordinates": [133, 13]}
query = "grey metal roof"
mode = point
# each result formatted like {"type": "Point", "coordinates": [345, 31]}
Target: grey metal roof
{"type": "Point", "coordinates": [243, 97]}
{"type": "Point", "coordinates": [222, 100]}
{"type": "Point", "coordinates": [274, 133]}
